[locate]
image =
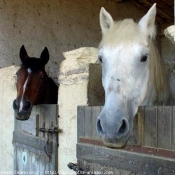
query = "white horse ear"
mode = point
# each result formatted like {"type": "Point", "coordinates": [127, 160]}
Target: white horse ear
{"type": "Point", "coordinates": [147, 23]}
{"type": "Point", "coordinates": [106, 20]}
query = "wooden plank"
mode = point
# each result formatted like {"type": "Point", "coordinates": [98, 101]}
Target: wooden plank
{"type": "Point", "coordinates": [150, 127]}
{"type": "Point", "coordinates": [95, 112]}
{"type": "Point", "coordinates": [136, 149]}
{"type": "Point", "coordinates": [164, 127]}
{"type": "Point", "coordinates": [141, 116]}
{"type": "Point", "coordinates": [88, 122]}
{"type": "Point", "coordinates": [140, 5]}
{"type": "Point", "coordinates": [126, 160]}
{"type": "Point", "coordinates": [44, 113]}
{"type": "Point", "coordinates": [170, 2]}
{"type": "Point", "coordinates": [96, 94]}
{"type": "Point", "coordinates": [49, 115]}
{"type": "Point", "coordinates": [34, 162]}
{"type": "Point", "coordinates": [159, 11]}
{"type": "Point", "coordinates": [173, 130]}
{"type": "Point", "coordinates": [133, 138]}
{"type": "Point", "coordinates": [94, 169]}
{"type": "Point", "coordinates": [15, 159]}
{"type": "Point", "coordinates": [34, 146]}
{"type": "Point", "coordinates": [164, 6]}
{"type": "Point", "coordinates": [136, 136]}
{"type": "Point", "coordinates": [19, 155]}
{"type": "Point", "coordinates": [80, 122]}
{"type": "Point", "coordinates": [31, 141]}
{"type": "Point", "coordinates": [31, 125]}
{"type": "Point", "coordinates": [17, 125]}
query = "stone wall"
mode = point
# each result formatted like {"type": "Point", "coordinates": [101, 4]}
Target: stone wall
{"type": "Point", "coordinates": [168, 54]}
{"type": "Point", "coordinates": [73, 91]}
{"type": "Point", "coordinates": [60, 25]}
{"type": "Point", "coordinates": [7, 95]}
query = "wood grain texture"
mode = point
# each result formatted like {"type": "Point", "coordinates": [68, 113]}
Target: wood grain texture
{"type": "Point", "coordinates": [125, 160]}
{"type": "Point", "coordinates": [41, 150]}
{"type": "Point", "coordinates": [164, 127]}
{"type": "Point", "coordinates": [88, 122]}
{"type": "Point", "coordinates": [173, 130]}
{"type": "Point", "coordinates": [95, 112]}
{"type": "Point", "coordinates": [80, 122]}
{"type": "Point", "coordinates": [150, 150]}
{"type": "Point", "coordinates": [150, 127]}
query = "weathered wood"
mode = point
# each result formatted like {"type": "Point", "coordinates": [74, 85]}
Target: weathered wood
{"type": "Point", "coordinates": [31, 141]}
{"type": "Point", "coordinates": [145, 7]}
{"type": "Point", "coordinates": [165, 6]}
{"type": "Point", "coordinates": [160, 11]}
{"type": "Point", "coordinates": [126, 160]}
{"type": "Point", "coordinates": [80, 122]}
{"type": "Point", "coordinates": [34, 162]}
{"type": "Point", "coordinates": [150, 127]}
{"type": "Point", "coordinates": [97, 169]}
{"type": "Point", "coordinates": [154, 129]}
{"type": "Point", "coordinates": [141, 116]}
{"type": "Point", "coordinates": [88, 122]}
{"type": "Point", "coordinates": [164, 114]}
{"type": "Point", "coordinates": [41, 151]}
{"type": "Point", "coordinates": [31, 125]}
{"type": "Point", "coordinates": [95, 112]}
{"type": "Point", "coordinates": [134, 138]}
{"type": "Point", "coordinates": [173, 130]}
{"type": "Point", "coordinates": [51, 113]}
{"type": "Point", "coordinates": [96, 94]}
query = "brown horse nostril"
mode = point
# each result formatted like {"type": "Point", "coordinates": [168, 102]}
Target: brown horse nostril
{"type": "Point", "coordinates": [27, 106]}
{"type": "Point", "coordinates": [15, 105]}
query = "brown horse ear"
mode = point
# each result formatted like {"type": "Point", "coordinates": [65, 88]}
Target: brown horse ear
{"type": "Point", "coordinates": [45, 56]}
{"type": "Point", "coordinates": [23, 54]}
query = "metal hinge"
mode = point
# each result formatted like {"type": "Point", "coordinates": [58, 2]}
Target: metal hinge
{"type": "Point", "coordinates": [51, 130]}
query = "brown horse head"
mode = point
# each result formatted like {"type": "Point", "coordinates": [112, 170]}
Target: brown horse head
{"type": "Point", "coordinates": [33, 84]}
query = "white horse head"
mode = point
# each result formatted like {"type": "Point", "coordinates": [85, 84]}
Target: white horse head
{"type": "Point", "coordinates": [132, 74]}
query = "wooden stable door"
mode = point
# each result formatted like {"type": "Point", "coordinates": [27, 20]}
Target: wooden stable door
{"type": "Point", "coordinates": [36, 142]}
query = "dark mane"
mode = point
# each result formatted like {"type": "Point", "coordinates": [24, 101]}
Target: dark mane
{"type": "Point", "coordinates": [34, 64]}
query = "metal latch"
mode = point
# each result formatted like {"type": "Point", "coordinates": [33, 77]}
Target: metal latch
{"type": "Point", "coordinates": [51, 130]}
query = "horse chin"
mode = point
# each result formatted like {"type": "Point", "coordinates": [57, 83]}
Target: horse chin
{"type": "Point", "coordinates": [115, 143]}
{"type": "Point", "coordinates": [22, 116]}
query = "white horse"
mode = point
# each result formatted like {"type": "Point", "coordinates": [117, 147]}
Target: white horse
{"type": "Point", "coordinates": [132, 74]}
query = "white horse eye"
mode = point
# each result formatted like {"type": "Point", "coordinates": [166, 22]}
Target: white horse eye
{"type": "Point", "coordinates": [144, 58]}
{"type": "Point", "coordinates": [100, 59]}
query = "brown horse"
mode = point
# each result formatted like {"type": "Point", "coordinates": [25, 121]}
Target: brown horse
{"type": "Point", "coordinates": [34, 86]}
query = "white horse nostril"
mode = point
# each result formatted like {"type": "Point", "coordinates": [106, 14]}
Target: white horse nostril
{"type": "Point", "coordinates": [99, 127]}
{"type": "Point", "coordinates": [123, 128]}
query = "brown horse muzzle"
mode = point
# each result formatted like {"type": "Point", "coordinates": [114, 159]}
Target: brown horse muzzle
{"type": "Point", "coordinates": [24, 113]}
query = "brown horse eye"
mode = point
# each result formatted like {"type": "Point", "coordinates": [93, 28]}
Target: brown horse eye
{"type": "Point", "coordinates": [42, 77]}
{"type": "Point", "coordinates": [17, 73]}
